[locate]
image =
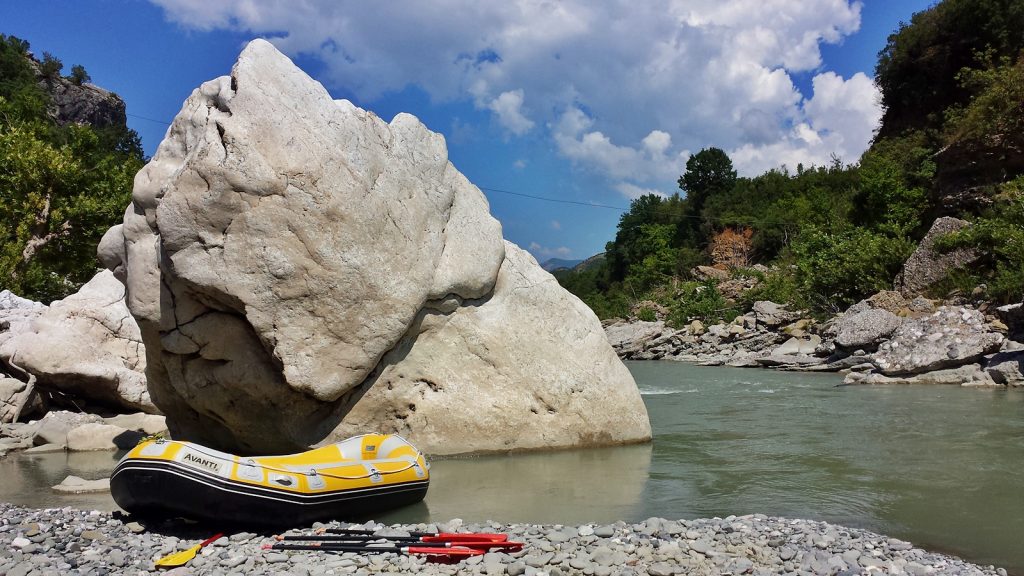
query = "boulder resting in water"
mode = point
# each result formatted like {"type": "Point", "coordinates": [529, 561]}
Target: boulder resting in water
{"type": "Point", "coordinates": [300, 269]}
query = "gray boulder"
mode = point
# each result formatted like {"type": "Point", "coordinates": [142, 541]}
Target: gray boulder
{"type": "Point", "coordinates": [967, 375]}
{"type": "Point", "coordinates": [14, 395]}
{"type": "Point", "coordinates": [627, 337]}
{"type": "Point", "coordinates": [1007, 368]}
{"type": "Point", "coordinates": [1012, 315]}
{"type": "Point", "coordinates": [927, 266]}
{"type": "Point", "coordinates": [864, 329]}
{"type": "Point", "coordinates": [772, 315]}
{"type": "Point", "coordinates": [950, 337]}
{"type": "Point", "coordinates": [285, 254]}
{"type": "Point", "coordinates": [86, 346]}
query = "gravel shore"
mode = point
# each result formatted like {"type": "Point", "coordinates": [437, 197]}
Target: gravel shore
{"type": "Point", "coordinates": [67, 542]}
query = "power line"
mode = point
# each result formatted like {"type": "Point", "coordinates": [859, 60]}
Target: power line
{"type": "Point", "coordinates": [559, 200]}
{"type": "Point", "coordinates": [562, 201]}
{"type": "Point", "coordinates": [148, 119]}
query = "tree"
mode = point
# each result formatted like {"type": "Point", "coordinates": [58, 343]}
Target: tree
{"type": "Point", "coordinates": [708, 173]}
{"type": "Point", "coordinates": [50, 66]}
{"type": "Point", "coordinates": [78, 75]}
{"type": "Point", "coordinates": [917, 70]}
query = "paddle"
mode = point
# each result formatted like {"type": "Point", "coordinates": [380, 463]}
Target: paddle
{"type": "Point", "coordinates": [355, 540]}
{"type": "Point", "coordinates": [182, 558]}
{"type": "Point", "coordinates": [421, 536]}
{"type": "Point", "coordinates": [436, 552]}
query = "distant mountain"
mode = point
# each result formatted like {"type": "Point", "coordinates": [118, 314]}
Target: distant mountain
{"type": "Point", "coordinates": [553, 264]}
{"type": "Point", "coordinates": [592, 262]}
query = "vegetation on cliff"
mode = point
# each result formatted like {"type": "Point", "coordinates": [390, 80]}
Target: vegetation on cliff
{"type": "Point", "coordinates": [951, 143]}
{"type": "Point", "coordinates": [61, 187]}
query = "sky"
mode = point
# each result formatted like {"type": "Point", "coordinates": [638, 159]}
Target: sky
{"type": "Point", "coordinates": [587, 103]}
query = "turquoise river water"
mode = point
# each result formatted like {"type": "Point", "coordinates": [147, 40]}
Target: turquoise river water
{"type": "Point", "coordinates": [942, 467]}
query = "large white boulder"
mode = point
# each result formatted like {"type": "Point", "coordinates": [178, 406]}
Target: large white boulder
{"type": "Point", "coordinates": [86, 346]}
{"type": "Point", "coordinates": [283, 249]}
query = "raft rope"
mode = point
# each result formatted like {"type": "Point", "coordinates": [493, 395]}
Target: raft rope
{"type": "Point", "coordinates": [412, 464]}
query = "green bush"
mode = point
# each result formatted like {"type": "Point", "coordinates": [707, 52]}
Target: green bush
{"type": "Point", "coordinates": [702, 301]}
{"type": "Point", "coordinates": [999, 236]}
{"type": "Point", "coordinates": [836, 270]}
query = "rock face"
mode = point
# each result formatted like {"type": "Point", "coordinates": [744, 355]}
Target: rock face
{"type": "Point", "coordinates": [488, 350]}
{"type": "Point", "coordinates": [86, 345]}
{"type": "Point", "coordinates": [926, 265]}
{"type": "Point", "coordinates": [70, 103]}
{"type": "Point", "coordinates": [1012, 315]}
{"type": "Point", "coordinates": [950, 337]}
{"type": "Point", "coordinates": [865, 329]}
{"type": "Point", "coordinates": [772, 314]}
{"type": "Point", "coordinates": [293, 261]}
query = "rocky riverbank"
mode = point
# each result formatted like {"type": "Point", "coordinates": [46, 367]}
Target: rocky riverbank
{"type": "Point", "coordinates": [884, 339]}
{"type": "Point", "coordinates": [69, 541]}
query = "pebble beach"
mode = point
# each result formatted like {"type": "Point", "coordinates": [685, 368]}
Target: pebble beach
{"type": "Point", "coordinates": [68, 542]}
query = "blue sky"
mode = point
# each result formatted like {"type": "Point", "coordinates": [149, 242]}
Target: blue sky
{"type": "Point", "coordinates": [589, 103]}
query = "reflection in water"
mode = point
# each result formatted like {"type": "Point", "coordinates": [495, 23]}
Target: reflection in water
{"type": "Point", "coordinates": [570, 487]}
{"type": "Point", "coordinates": [26, 478]}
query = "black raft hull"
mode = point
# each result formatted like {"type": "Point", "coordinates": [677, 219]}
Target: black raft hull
{"type": "Point", "coordinates": [173, 487]}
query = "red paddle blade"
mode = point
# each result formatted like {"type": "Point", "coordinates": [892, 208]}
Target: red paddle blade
{"type": "Point", "coordinates": [453, 552]}
{"type": "Point", "coordinates": [465, 537]}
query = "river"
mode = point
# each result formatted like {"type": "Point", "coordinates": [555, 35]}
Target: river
{"type": "Point", "coordinates": [942, 467]}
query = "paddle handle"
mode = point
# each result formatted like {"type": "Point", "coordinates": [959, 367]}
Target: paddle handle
{"type": "Point", "coordinates": [333, 547]}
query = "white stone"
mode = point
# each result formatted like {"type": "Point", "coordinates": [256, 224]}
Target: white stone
{"type": "Point", "coordinates": [87, 346]}
{"type": "Point", "coordinates": [288, 257]}
{"type": "Point", "coordinates": [76, 485]}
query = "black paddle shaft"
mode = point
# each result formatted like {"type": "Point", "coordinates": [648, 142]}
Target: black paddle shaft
{"type": "Point", "coordinates": [351, 531]}
{"type": "Point", "coordinates": [349, 538]}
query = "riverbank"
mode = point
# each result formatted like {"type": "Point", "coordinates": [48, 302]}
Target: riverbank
{"type": "Point", "coordinates": [74, 541]}
{"type": "Point", "coordinates": [881, 340]}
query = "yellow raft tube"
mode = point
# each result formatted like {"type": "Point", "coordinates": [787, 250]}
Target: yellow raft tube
{"type": "Point", "coordinates": [358, 476]}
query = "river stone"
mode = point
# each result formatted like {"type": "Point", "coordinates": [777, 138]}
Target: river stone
{"type": "Point", "coordinates": [803, 346]}
{"type": "Point", "coordinates": [1007, 368]}
{"type": "Point", "coordinates": [300, 270]}
{"type": "Point", "coordinates": [1012, 315]}
{"type": "Point", "coordinates": [86, 345]}
{"type": "Point", "coordinates": [77, 485]}
{"type": "Point", "coordinates": [927, 266]}
{"type": "Point", "coordinates": [633, 335]}
{"type": "Point", "coordinates": [53, 428]}
{"type": "Point", "coordinates": [865, 329]}
{"type": "Point", "coordinates": [969, 375]}
{"type": "Point", "coordinates": [96, 436]}
{"type": "Point", "coordinates": [13, 394]}
{"type": "Point", "coordinates": [952, 336]}
{"type": "Point", "coordinates": [771, 314]}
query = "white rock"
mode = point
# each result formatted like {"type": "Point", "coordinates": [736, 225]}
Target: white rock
{"type": "Point", "coordinates": [285, 252]}
{"type": "Point", "coordinates": [86, 345]}
{"type": "Point", "coordinates": [76, 485]}
{"type": "Point", "coordinates": [95, 436]}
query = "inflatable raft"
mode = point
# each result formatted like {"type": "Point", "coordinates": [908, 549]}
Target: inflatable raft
{"type": "Point", "coordinates": [359, 476]}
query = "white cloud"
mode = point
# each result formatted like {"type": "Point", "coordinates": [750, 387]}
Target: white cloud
{"type": "Point", "coordinates": [509, 108]}
{"type": "Point", "coordinates": [519, 164]}
{"type": "Point", "coordinates": [544, 252]}
{"type": "Point", "coordinates": [838, 120]}
{"type": "Point", "coordinates": [556, 225]}
{"type": "Point", "coordinates": [623, 89]}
